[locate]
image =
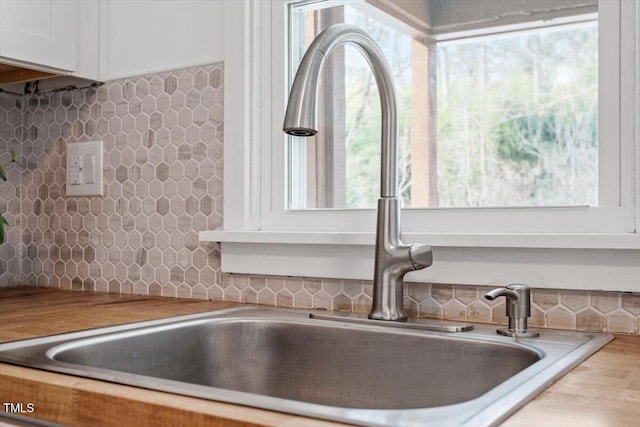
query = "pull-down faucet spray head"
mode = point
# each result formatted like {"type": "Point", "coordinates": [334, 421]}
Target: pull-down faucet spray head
{"type": "Point", "coordinates": [300, 118]}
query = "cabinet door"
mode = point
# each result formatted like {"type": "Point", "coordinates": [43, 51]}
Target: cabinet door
{"type": "Point", "coordinates": [40, 33]}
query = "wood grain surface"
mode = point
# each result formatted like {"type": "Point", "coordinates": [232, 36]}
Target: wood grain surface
{"type": "Point", "coordinates": [602, 391]}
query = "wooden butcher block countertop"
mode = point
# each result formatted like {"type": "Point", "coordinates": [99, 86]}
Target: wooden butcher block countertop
{"type": "Point", "coordinates": [603, 391]}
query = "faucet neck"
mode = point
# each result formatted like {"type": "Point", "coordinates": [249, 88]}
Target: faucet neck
{"type": "Point", "coordinates": [302, 105]}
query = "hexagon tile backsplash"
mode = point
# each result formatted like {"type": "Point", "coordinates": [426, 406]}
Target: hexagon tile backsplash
{"type": "Point", "coordinates": [163, 183]}
{"type": "Point", "coordinates": [163, 137]}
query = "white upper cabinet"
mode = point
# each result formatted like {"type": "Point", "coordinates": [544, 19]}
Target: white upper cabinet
{"type": "Point", "coordinates": [143, 37]}
{"type": "Point", "coordinates": [39, 34]}
{"type": "Point", "coordinates": [104, 40]}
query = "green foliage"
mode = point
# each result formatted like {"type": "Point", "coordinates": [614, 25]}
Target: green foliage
{"type": "Point", "coordinates": [3, 222]}
{"type": "Point", "coordinates": [3, 176]}
{"type": "Point", "coordinates": [520, 140]}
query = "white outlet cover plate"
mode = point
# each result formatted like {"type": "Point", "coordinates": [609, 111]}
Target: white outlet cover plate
{"type": "Point", "coordinates": [94, 148]}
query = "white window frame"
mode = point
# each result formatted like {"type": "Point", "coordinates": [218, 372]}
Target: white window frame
{"type": "Point", "coordinates": [566, 247]}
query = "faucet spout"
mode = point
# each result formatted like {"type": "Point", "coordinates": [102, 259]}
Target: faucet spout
{"type": "Point", "coordinates": [301, 114]}
{"type": "Point", "coordinates": [393, 258]}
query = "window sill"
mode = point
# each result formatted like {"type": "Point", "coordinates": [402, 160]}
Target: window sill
{"type": "Point", "coordinates": [460, 240]}
{"type": "Point", "coordinates": [567, 261]}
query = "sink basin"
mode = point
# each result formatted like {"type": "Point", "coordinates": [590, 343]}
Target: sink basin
{"type": "Point", "coordinates": [284, 361]}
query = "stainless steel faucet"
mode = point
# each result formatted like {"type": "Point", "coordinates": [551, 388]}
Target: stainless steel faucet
{"type": "Point", "coordinates": [518, 309]}
{"type": "Point", "coordinates": [393, 258]}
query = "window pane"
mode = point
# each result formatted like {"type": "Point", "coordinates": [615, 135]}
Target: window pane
{"type": "Point", "coordinates": [490, 115]}
{"type": "Point", "coordinates": [518, 119]}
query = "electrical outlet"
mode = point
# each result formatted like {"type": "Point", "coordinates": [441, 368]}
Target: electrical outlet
{"type": "Point", "coordinates": [84, 169]}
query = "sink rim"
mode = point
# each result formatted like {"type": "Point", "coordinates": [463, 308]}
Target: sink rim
{"type": "Point", "coordinates": [68, 344]}
{"type": "Point", "coordinates": [557, 358]}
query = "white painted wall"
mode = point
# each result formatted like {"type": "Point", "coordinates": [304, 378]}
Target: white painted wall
{"type": "Point", "coordinates": [148, 36]}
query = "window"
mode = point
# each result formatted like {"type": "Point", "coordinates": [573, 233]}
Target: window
{"type": "Point", "coordinates": [511, 119]}
{"type": "Point", "coordinates": [548, 240]}
{"type": "Point", "coordinates": [547, 199]}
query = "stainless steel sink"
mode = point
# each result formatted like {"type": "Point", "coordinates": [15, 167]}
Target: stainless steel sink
{"type": "Point", "coordinates": [284, 361]}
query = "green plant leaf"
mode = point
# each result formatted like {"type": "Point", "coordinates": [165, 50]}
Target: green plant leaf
{"type": "Point", "coordinates": [3, 222]}
{"type": "Point", "coordinates": [2, 174]}
{"type": "Point", "coordinates": [13, 158]}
